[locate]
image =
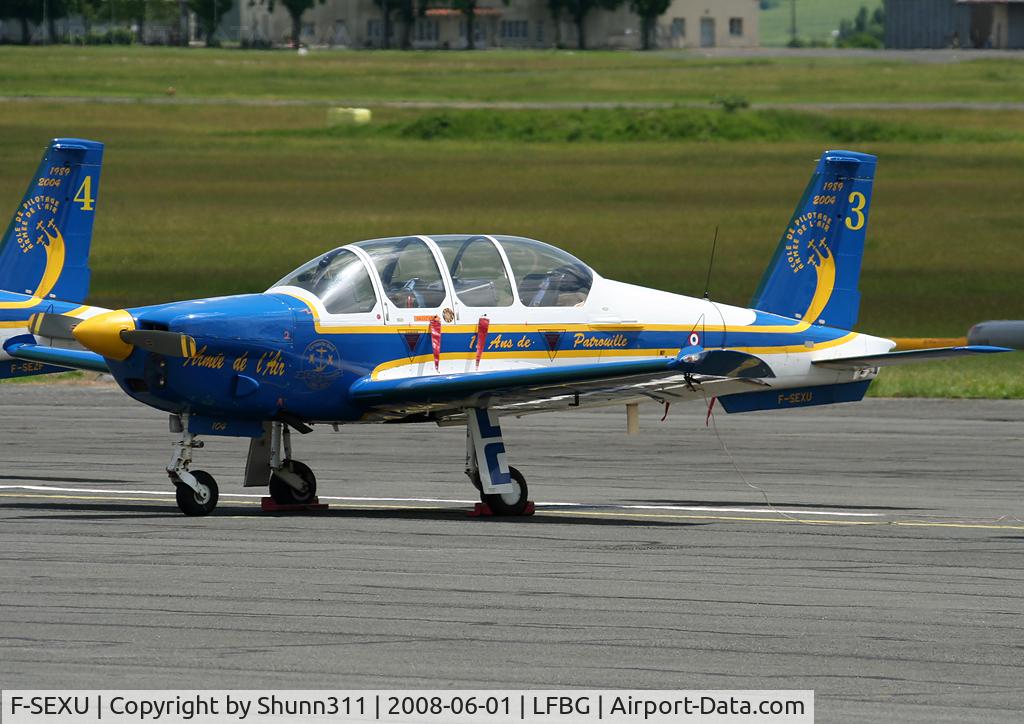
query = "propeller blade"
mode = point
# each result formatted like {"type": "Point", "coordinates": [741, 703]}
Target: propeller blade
{"type": "Point", "coordinates": [169, 344]}
{"type": "Point", "coordinates": [57, 326]}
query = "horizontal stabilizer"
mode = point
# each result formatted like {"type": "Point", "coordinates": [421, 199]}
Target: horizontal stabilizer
{"type": "Point", "coordinates": [899, 358]}
{"type": "Point", "coordinates": [795, 397]}
{"type": "Point", "coordinates": [24, 347]}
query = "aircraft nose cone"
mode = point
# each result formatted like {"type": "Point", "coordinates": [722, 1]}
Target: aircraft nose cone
{"type": "Point", "coordinates": [102, 334]}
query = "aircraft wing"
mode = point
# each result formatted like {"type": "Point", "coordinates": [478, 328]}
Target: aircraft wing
{"type": "Point", "coordinates": [504, 388]}
{"type": "Point", "coordinates": [914, 355]}
{"type": "Point", "coordinates": [24, 347]}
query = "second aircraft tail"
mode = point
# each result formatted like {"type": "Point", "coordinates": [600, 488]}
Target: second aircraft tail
{"type": "Point", "coordinates": [45, 251]}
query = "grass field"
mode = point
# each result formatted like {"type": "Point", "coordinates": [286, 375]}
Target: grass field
{"type": "Point", "coordinates": [496, 76]}
{"type": "Point", "coordinates": [219, 199]}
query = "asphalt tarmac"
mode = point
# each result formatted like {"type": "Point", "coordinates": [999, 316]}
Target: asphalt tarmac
{"type": "Point", "coordinates": [887, 574]}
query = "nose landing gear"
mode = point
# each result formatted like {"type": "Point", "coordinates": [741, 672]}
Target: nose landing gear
{"type": "Point", "coordinates": [195, 490]}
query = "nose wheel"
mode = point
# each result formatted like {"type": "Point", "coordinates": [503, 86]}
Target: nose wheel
{"type": "Point", "coordinates": [200, 499]}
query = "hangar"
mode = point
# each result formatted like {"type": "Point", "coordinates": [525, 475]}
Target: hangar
{"type": "Point", "coordinates": [954, 24]}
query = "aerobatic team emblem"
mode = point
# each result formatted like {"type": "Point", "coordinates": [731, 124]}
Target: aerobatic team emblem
{"type": "Point", "coordinates": [34, 224]}
{"type": "Point", "coordinates": [449, 315]}
{"type": "Point", "coordinates": [807, 240]}
{"type": "Point", "coordinates": [321, 364]}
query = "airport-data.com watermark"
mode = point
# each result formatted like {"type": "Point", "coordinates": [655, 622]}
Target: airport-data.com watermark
{"type": "Point", "coordinates": [427, 706]}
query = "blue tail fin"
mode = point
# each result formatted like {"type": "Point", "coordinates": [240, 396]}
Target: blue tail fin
{"type": "Point", "coordinates": [45, 250]}
{"type": "Point", "coordinates": [816, 268]}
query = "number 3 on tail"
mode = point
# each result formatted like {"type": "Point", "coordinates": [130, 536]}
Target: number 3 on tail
{"type": "Point", "coordinates": [858, 201]}
{"type": "Point", "coordinates": [85, 198]}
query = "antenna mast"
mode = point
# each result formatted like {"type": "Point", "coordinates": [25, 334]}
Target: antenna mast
{"type": "Point", "coordinates": [711, 263]}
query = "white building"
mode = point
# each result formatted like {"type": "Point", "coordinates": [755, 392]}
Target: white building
{"type": "Point", "coordinates": [520, 24]}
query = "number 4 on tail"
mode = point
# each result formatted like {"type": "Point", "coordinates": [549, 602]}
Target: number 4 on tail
{"type": "Point", "coordinates": [84, 194]}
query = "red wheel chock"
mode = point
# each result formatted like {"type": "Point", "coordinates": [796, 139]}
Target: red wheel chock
{"type": "Point", "coordinates": [267, 505]}
{"type": "Point", "coordinates": [483, 510]}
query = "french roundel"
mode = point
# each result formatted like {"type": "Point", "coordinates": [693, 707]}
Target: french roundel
{"type": "Point", "coordinates": [694, 339]}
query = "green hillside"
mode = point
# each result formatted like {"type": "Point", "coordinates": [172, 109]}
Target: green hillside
{"type": "Point", "coordinates": [815, 19]}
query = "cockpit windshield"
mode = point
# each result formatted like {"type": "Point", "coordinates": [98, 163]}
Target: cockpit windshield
{"type": "Point", "coordinates": [339, 279]}
{"type": "Point", "coordinates": [545, 275]}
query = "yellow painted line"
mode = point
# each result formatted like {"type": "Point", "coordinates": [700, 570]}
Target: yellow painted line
{"type": "Point", "coordinates": [513, 355]}
{"type": "Point", "coordinates": [625, 515]}
{"type": "Point", "coordinates": [720, 518]}
{"type": "Point", "coordinates": [797, 347]}
{"type": "Point", "coordinates": [24, 304]}
{"type": "Point", "coordinates": [165, 499]}
{"type": "Point", "coordinates": [744, 519]}
{"type": "Point", "coordinates": [936, 524]}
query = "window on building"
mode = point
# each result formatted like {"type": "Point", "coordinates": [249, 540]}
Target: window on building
{"type": "Point", "coordinates": [540, 31]}
{"type": "Point", "coordinates": [478, 30]}
{"type": "Point", "coordinates": [515, 30]}
{"type": "Point", "coordinates": [427, 30]}
{"type": "Point", "coordinates": [678, 28]}
{"type": "Point", "coordinates": [736, 27]}
{"type": "Point", "coordinates": [374, 29]}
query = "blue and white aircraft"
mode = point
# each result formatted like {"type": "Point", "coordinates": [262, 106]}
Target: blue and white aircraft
{"type": "Point", "coordinates": [462, 329]}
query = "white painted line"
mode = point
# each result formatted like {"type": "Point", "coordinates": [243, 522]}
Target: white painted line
{"type": "Point", "coordinates": [457, 501]}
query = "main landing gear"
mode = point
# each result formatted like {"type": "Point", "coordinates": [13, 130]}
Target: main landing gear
{"type": "Point", "coordinates": [291, 481]}
{"type": "Point", "coordinates": [502, 488]}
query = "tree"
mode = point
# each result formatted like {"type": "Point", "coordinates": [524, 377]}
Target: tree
{"type": "Point", "coordinates": [404, 10]}
{"type": "Point", "coordinates": [468, 10]}
{"type": "Point", "coordinates": [295, 9]}
{"type": "Point", "coordinates": [25, 12]}
{"type": "Point", "coordinates": [133, 12]}
{"type": "Point", "coordinates": [88, 10]}
{"type": "Point", "coordinates": [649, 12]}
{"type": "Point", "coordinates": [555, 7]}
{"type": "Point", "coordinates": [579, 9]}
{"type": "Point", "coordinates": [54, 10]}
{"type": "Point", "coordinates": [866, 30]}
{"type": "Point", "coordinates": [209, 13]}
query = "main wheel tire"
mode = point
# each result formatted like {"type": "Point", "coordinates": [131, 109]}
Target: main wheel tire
{"type": "Point", "coordinates": [513, 503]}
{"type": "Point", "coordinates": [285, 494]}
{"type": "Point", "coordinates": [203, 502]}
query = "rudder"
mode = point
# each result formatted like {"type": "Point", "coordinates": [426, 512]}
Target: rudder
{"type": "Point", "coordinates": [45, 250]}
{"type": "Point", "coordinates": [815, 271]}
